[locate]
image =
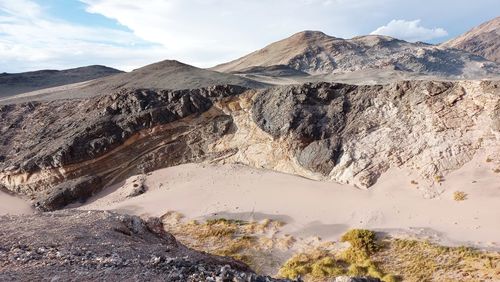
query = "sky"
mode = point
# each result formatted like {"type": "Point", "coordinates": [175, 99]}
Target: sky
{"type": "Point", "coordinates": [128, 34]}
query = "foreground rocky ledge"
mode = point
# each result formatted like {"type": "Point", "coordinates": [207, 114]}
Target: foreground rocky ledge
{"type": "Point", "coordinates": [90, 246]}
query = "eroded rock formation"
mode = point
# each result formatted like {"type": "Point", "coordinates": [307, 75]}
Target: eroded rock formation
{"type": "Point", "coordinates": [64, 151]}
{"type": "Point", "coordinates": [353, 134]}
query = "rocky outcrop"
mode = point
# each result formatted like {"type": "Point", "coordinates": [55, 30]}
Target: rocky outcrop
{"type": "Point", "coordinates": [64, 151]}
{"type": "Point", "coordinates": [353, 134]}
{"type": "Point", "coordinates": [102, 246]}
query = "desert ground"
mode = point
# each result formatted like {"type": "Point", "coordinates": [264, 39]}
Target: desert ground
{"type": "Point", "coordinates": [13, 205]}
{"type": "Point", "coordinates": [323, 209]}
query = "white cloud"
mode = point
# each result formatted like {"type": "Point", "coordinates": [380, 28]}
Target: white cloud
{"type": "Point", "coordinates": [410, 31]}
{"type": "Point", "coordinates": [30, 39]}
{"type": "Point", "coordinates": [207, 32]}
{"type": "Point", "coordinates": [20, 8]}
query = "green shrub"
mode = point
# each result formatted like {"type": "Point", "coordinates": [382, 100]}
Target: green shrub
{"type": "Point", "coordinates": [356, 270]}
{"type": "Point", "coordinates": [361, 240]}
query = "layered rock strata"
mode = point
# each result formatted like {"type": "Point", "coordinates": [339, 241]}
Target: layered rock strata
{"type": "Point", "coordinates": [63, 151]}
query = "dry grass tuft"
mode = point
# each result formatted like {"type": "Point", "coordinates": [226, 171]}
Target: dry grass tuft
{"type": "Point", "coordinates": [363, 244]}
{"type": "Point", "coordinates": [312, 265]}
{"type": "Point", "coordinates": [438, 178]}
{"type": "Point", "coordinates": [389, 259]}
{"type": "Point", "coordinates": [354, 261]}
{"type": "Point", "coordinates": [250, 242]}
{"type": "Point", "coordinates": [423, 261]}
{"type": "Point", "coordinates": [459, 196]}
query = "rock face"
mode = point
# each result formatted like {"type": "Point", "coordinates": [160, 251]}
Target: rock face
{"type": "Point", "coordinates": [16, 83]}
{"type": "Point", "coordinates": [102, 246]}
{"type": "Point", "coordinates": [59, 152]}
{"type": "Point", "coordinates": [483, 40]}
{"type": "Point", "coordinates": [317, 53]}
{"type": "Point", "coordinates": [353, 134]}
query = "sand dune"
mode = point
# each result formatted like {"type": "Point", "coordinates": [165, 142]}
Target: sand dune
{"type": "Point", "coordinates": [323, 209]}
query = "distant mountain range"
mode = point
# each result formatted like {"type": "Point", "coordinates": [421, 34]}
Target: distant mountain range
{"type": "Point", "coordinates": [316, 53]}
{"type": "Point", "coordinates": [16, 83]}
{"type": "Point", "coordinates": [168, 74]}
{"type": "Point", "coordinates": [308, 56]}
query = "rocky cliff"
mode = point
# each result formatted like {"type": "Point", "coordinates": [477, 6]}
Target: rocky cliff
{"type": "Point", "coordinates": [63, 151]}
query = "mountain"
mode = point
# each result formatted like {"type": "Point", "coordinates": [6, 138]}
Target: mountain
{"type": "Point", "coordinates": [317, 53]}
{"type": "Point", "coordinates": [173, 75]}
{"type": "Point", "coordinates": [166, 74]}
{"type": "Point", "coordinates": [483, 40]}
{"type": "Point", "coordinates": [16, 83]}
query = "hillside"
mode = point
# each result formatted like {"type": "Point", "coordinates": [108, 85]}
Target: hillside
{"type": "Point", "coordinates": [103, 246]}
{"type": "Point", "coordinates": [167, 74]}
{"type": "Point", "coordinates": [16, 83]}
{"type": "Point", "coordinates": [317, 53]}
{"type": "Point", "coordinates": [483, 40]}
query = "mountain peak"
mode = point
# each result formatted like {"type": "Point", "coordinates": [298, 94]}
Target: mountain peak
{"type": "Point", "coordinates": [317, 53]}
{"type": "Point", "coordinates": [309, 34]}
{"type": "Point", "coordinates": [165, 64]}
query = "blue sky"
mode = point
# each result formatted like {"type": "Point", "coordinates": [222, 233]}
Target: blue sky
{"type": "Point", "coordinates": [126, 34]}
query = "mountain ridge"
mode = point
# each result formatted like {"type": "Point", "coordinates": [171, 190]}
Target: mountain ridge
{"type": "Point", "coordinates": [316, 53]}
{"type": "Point", "coordinates": [483, 40]}
{"type": "Point", "coordinates": [166, 74]}
{"type": "Point", "coordinates": [17, 83]}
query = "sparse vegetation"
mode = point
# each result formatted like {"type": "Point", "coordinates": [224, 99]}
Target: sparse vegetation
{"type": "Point", "coordinates": [496, 170]}
{"type": "Point", "coordinates": [354, 261]}
{"type": "Point", "coordinates": [489, 160]}
{"type": "Point", "coordinates": [388, 259]}
{"type": "Point", "coordinates": [423, 261]}
{"type": "Point", "coordinates": [459, 196]}
{"type": "Point", "coordinates": [316, 264]}
{"type": "Point", "coordinates": [363, 244]}
{"type": "Point", "coordinates": [356, 270]}
{"type": "Point", "coordinates": [414, 182]}
{"type": "Point", "coordinates": [438, 178]}
{"type": "Point", "coordinates": [225, 221]}
{"type": "Point", "coordinates": [242, 240]}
